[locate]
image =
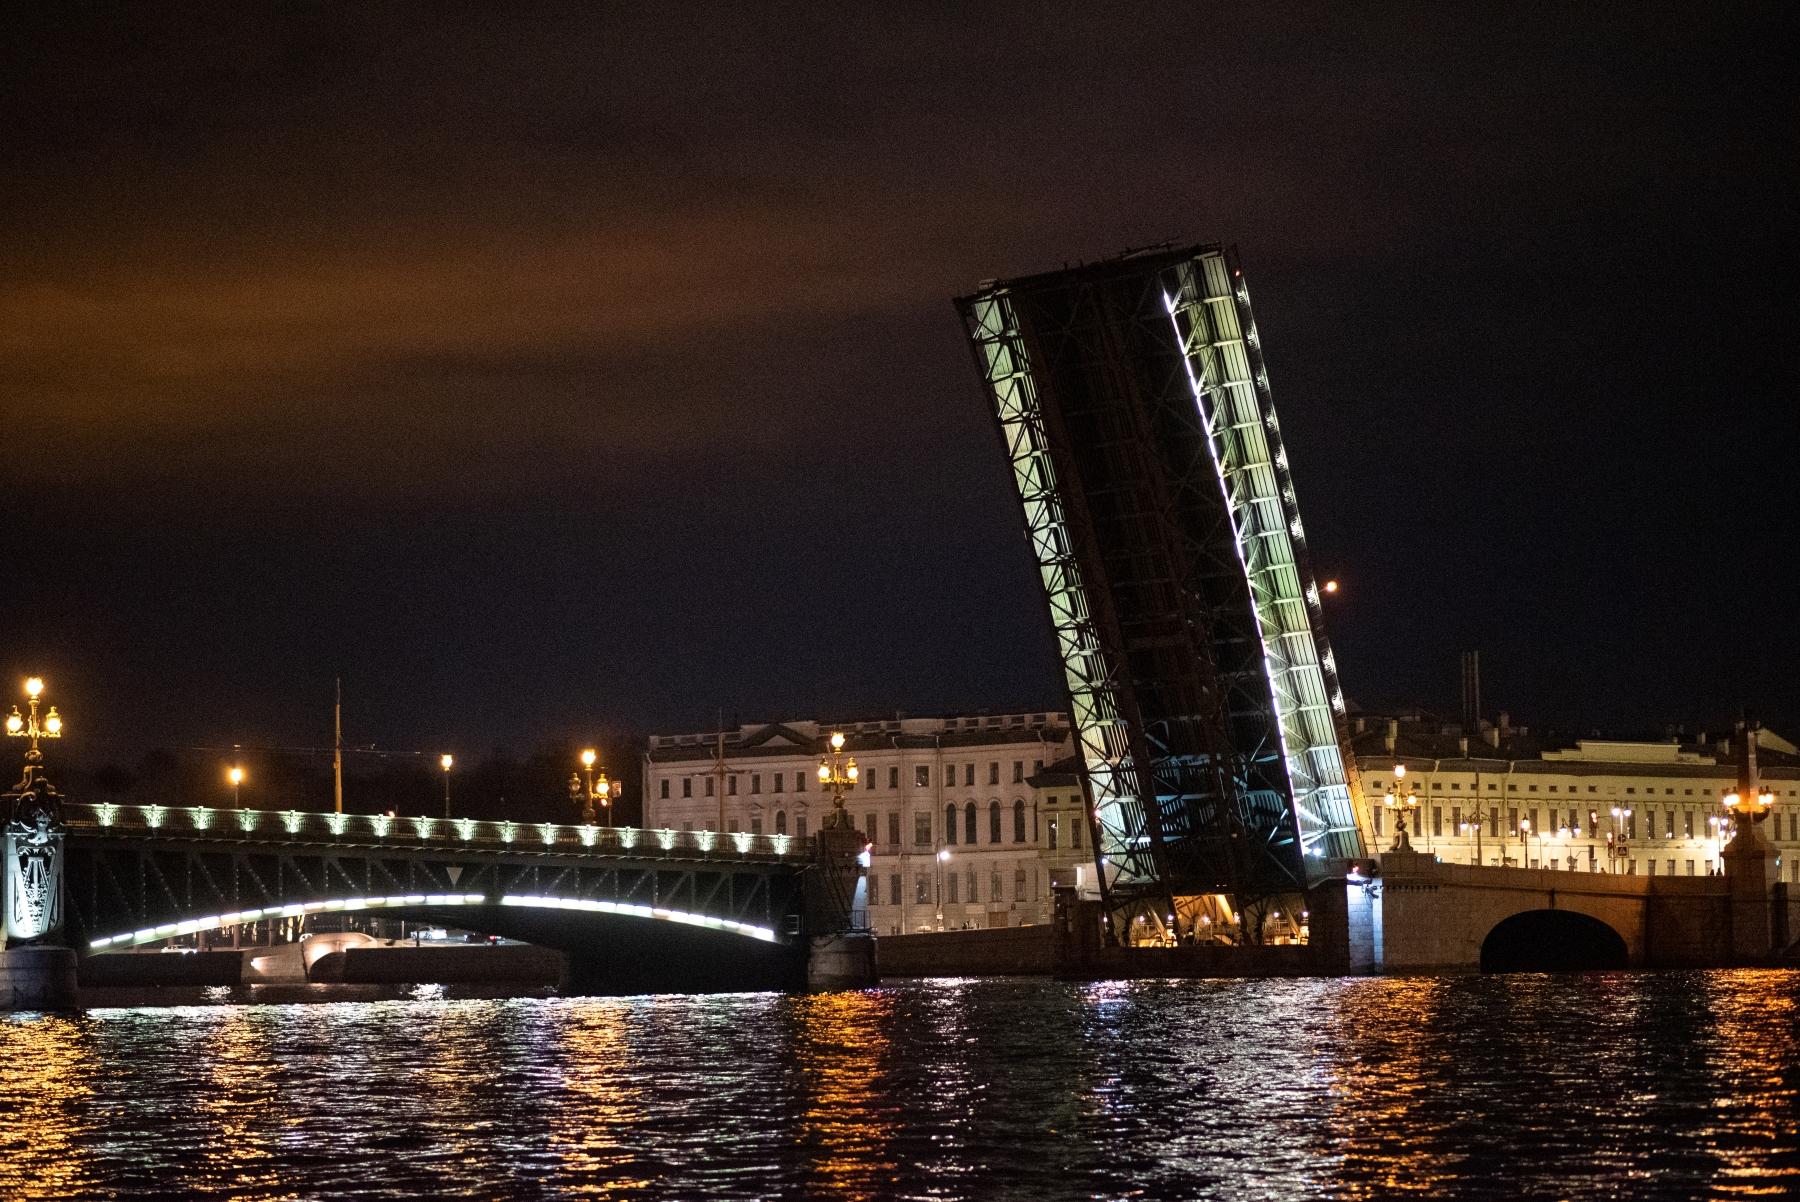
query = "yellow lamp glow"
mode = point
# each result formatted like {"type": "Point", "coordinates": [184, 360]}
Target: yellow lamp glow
{"type": "Point", "coordinates": [587, 758]}
{"type": "Point", "coordinates": [15, 722]}
{"type": "Point", "coordinates": [53, 723]}
{"type": "Point", "coordinates": [235, 775]}
{"type": "Point", "coordinates": [824, 771]}
{"type": "Point", "coordinates": [33, 686]}
{"type": "Point", "coordinates": [837, 740]}
{"type": "Point", "coordinates": [446, 760]}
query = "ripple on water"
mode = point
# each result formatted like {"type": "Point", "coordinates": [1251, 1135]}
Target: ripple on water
{"type": "Point", "coordinates": [1665, 1085]}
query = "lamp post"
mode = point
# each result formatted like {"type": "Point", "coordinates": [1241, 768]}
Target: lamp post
{"type": "Point", "coordinates": [943, 857]}
{"type": "Point", "coordinates": [598, 792]}
{"type": "Point", "coordinates": [1617, 847]}
{"type": "Point", "coordinates": [1525, 843]}
{"type": "Point", "coordinates": [27, 726]}
{"type": "Point", "coordinates": [1747, 803]}
{"type": "Point", "coordinates": [838, 774]}
{"type": "Point", "coordinates": [446, 762]}
{"type": "Point", "coordinates": [1400, 805]}
{"type": "Point", "coordinates": [235, 776]}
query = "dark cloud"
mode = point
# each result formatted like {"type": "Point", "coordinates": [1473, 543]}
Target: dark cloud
{"type": "Point", "coordinates": [605, 355]}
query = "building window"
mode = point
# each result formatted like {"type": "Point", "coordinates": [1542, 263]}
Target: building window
{"type": "Point", "coordinates": [1018, 772]}
{"type": "Point", "coordinates": [662, 789]}
{"type": "Point", "coordinates": [1018, 884]}
{"type": "Point", "coordinates": [1651, 865]}
{"type": "Point", "coordinates": [893, 778]}
{"type": "Point", "coordinates": [1690, 868]}
{"type": "Point", "coordinates": [687, 786]}
{"type": "Point", "coordinates": [709, 786]}
{"type": "Point", "coordinates": [1376, 815]}
{"type": "Point", "coordinates": [799, 782]}
{"type": "Point", "coordinates": [973, 895]}
{"type": "Point", "coordinates": [950, 824]}
{"type": "Point", "coordinates": [1494, 823]}
{"type": "Point", "coordinates": [731, 824]}
{"type": "Point", "coordinates": [800, 826]}
{"type": "Point", "coordinates": [993, 772]}
{"type": "Point", "coordinates": [922, 890]}
{"type": "Point", "coordinates": [1052, 834]}
{"type": "Point", "coordinates": [894, 828]}
{"type": "Point", "coordinates": [756, 825]}
{"type": "Point", "coordinates": [868, 780]}
{"type": "Point", "coordinates": [994, 893]}
{"type": "Point", "coordinates": [950, 883]}
{"type": "Point", "coordinates": [922, 828]}
{"type": "Point", "coordinates": [893, 888]}
{"type": "Point", "coordinates": [755, 782]}
{"type": "Point", "coordinates": [687, 826]}
{"type": "Point", "coordinates": [922, 776]}
{"type": "Point", "coordinates": [1018, 820]}
{"type": "Point", "coordinates": [1687, 824]}
{"type": "Point", "coordinates": [1437, 822]}
{"type": "Point", "coordinates": [1037, 766]}
{"type": "Point", "coordinates": [1075, 825]}
{"type": "Point", "coordinates": [993, 822]}
{"type": "Point", "coordinates": [969, 824]}
{"type": "Point", "coordinates": [968, 776]}
{"type": "Point", "coordinates": [872, 828]}
{"type": "Point", "coordinates": [780, 779]}
{"type": "Point", "coordinates": [1456, 819]}
{"type": "Point", "coordinates": [781, 822]}
{"type": "Point", "coordinates": [731, 785]}
{"type": "Point", "coordinates": [1631, 826]}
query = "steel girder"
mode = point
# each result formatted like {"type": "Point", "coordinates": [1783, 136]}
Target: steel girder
{"type": "Point", "coordinates": [1133, 500]}
{"type": "Point", "coordinates": [125, 882]}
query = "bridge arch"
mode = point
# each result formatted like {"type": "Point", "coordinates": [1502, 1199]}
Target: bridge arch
{"type": "Point", "coordinates": [1552, 941]}
{"type": "Point", "coordinates": [449, 906]}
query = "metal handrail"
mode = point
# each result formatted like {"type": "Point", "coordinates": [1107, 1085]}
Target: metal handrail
{"type": "Point", "coordinates": [290, 826]}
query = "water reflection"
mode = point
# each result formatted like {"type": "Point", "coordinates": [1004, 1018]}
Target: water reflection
{"type": "Point", "coordinates": [46, 1081]}
{"type": "Point", "coordinates": [844, 1121]}
{"type": "Point", "coordinates": [1667, 1085]}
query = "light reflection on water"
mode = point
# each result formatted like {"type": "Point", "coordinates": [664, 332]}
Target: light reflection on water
{"type": "Point", "coordinates": [1671, 1085]}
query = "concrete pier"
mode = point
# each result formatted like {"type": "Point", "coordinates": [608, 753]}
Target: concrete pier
{"type": "Point", "coordinates": [37, 978]}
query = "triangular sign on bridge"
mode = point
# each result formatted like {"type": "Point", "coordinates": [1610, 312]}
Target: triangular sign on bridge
{"type": "Point", "coordinates": [455, 873]}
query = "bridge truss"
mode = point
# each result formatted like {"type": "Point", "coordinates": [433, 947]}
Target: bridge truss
{"type": "Point", "coordinates": [1134, 409]}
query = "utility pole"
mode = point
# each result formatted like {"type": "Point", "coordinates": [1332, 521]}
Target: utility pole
{"type": "Point", "coordinates": [337, 750]}
{"type": "Point", "coordinates": [720, 770]}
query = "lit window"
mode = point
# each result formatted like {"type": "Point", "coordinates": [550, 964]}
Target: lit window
{"type": "Point", "coordinates": [781, 822]}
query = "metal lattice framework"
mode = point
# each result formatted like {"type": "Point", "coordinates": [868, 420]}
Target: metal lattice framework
{"type": "Point", "coordinates": [1135, 415]}
{"type": "Point", "coordinates": [126, 877]}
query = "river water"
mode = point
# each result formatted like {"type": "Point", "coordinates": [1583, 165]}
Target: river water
{"type": "Point", "coordinates": [1629, 1086]}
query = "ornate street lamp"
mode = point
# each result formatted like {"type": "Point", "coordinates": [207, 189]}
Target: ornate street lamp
{"type": "Point", "coordinates": [234, 776]}
{"type": "Point", "coordinates": [1400, 805]}
{"type": "Point", "coordinates": [27, 726]}
{"type": "Point", "coordinates": [446, 762]}
{"type": "Point", "coordinates": [597, 792]}
{"type": "Point", "coordinates": [838, 774]}
{"type": "Point", "coordinates": [943, 857]}
{"type": "Point", "coordinates": [1617, 847]}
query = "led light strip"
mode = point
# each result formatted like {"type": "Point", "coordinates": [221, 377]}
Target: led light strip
{"type": "Point", "coordinates": [338, 905]}
{"type": "Point", "coordinates": [626, 910]}
{"type": "Point", "coordinates": [346, 905]}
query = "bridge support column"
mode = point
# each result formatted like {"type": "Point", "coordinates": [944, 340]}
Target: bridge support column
{"type": "Point", "coordinates": [1751, 874]}
{"type": "Point", "coordinates": [37, 978]}
{"type": "Point", "coordinates": [843, 961]}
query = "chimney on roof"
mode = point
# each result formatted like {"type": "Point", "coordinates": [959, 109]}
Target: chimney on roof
{"type": "Point", "coordinates": [1491, 733]}
{"type": "Point", "coordinates": [1462, 747]}
{"type": "Point", "coordinates": [1393, 735]}
{"type": "Point", "coordinates": [1505, 729]}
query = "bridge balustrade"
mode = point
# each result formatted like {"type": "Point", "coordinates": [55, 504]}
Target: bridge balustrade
{"type": "Point", "coordinates": [378, 830]}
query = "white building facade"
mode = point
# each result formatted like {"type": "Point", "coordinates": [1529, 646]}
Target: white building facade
{"type": "Point", "coordinates": [1647, 808]}
{"type": "Point", "coordinates": [960, 835]}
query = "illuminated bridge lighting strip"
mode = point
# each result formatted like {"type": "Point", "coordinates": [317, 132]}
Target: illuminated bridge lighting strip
{"type": "Point", "coordinates": [627, 910]}
{"type": "Point", "coordinates": [338, 905]}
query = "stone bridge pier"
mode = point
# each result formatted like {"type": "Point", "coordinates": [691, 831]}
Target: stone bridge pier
{"type": "Point", "coordinates": [1411, 913]}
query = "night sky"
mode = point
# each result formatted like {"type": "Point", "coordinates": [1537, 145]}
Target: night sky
{"type": "Point", "coordinates": [555, 372]}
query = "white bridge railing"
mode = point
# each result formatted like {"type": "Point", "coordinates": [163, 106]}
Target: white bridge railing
{"type": "Point", "coordinates": [292, 826]}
